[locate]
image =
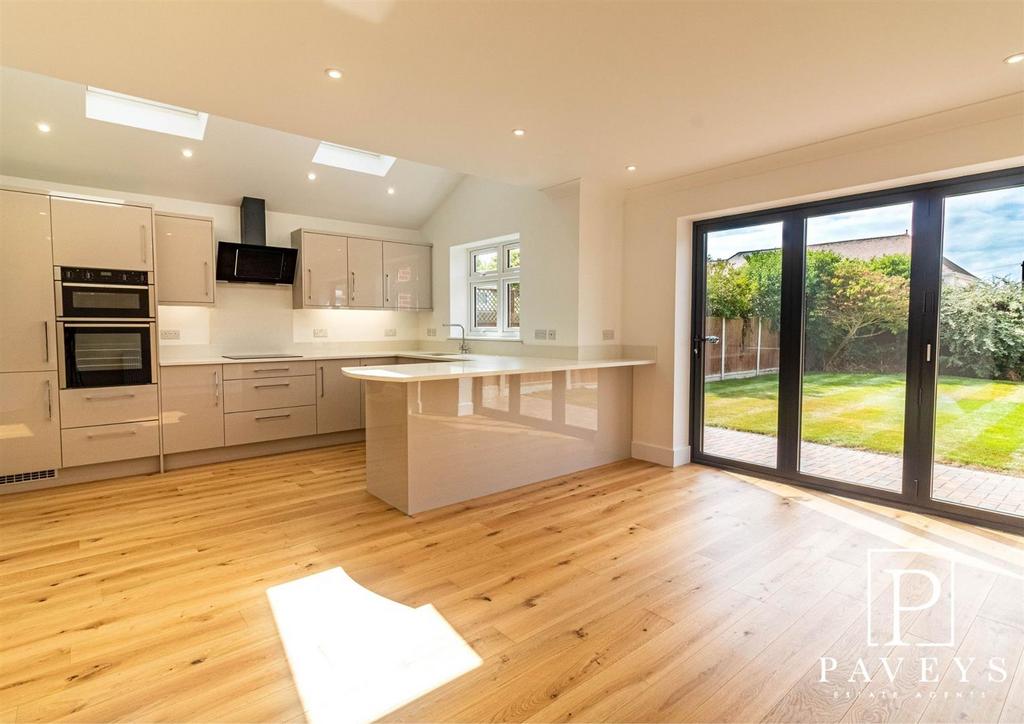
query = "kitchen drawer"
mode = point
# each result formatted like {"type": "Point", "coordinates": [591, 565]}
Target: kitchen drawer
{"type": "Point", "coordinates": [269, 393]}
{"type": "Point", "coordinates": [258, 426]}
{"type": "Point", "coordinates": [109, 443]}
{"type": "Point", "coordinates": [258, 370]}
{"type": "Point", "coordinates": [107, 405]}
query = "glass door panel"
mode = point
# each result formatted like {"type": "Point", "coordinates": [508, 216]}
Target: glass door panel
{"type": "Point", "coordinates": [979, 415]}
{"type": "Point", "coordinates": [856, 309]}
{"type": "Point", "coordinates": [740, 347]}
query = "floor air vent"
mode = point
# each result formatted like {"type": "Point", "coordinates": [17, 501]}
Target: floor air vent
{"type": "Point", "coordinates": [25, 477]}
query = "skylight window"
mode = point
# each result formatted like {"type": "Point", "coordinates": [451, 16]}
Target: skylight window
{"type": "Point", "coordinates": [125, 110]}
{"type": "Point", "coordinates": [352, 159]}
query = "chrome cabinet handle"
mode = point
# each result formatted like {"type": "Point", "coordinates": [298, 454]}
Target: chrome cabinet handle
{"type": "Point", "coordinates": [277, 384]}
{"type": "Point", "coordinates": [216, 389]}
{"type": "Point", "coordinates": [49, 401]}
{"type": "Point", "coordinates": [309, 284]}
{"type": "Point", "coordinates": [272, 417]}
{"type": "Point", "coordinates": [110, 397]}
{"type": "Point", "coordinates": [322, 381]}
{"type": "Point", "coordinates": [387, 287]}
{"type": "Point", "coordinates": [206, 279]}
{"type": "Point", "coordinates": [46, 340]}
{"type": "Point", "coordinates": [142, 238]}
{"type": "Point", "coordinates": [273, 369]}
{"type": "Point", "coordinates": [352, 296]}
{"type": "Point", "coordinates": [125, 433]}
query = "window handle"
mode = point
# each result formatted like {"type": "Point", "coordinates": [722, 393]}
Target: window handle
{"type": "Point", "coordinates": [928, 352]}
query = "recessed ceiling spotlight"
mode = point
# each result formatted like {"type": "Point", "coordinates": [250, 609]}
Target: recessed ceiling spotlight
{"type": "Point", "coordinates": [43, 127]}
{"type": "Point", "coordinates": [631, 168]}
{"type": "Point", "coordinates": [518, 131]}
{"type": "Point", "coordinates": [186, 152]}
{"type": "Point", "coordinates": [391, 190]}
{"type": "Point", "coordinates": [1014, 59]}
{"type": "Point", "coordinates": [333, 73]}
{"type": "Point", "coordinates": [311, 176]}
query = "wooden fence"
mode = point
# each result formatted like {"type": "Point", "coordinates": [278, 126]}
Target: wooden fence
{"type": "Point", "coordinates": [746, 347]}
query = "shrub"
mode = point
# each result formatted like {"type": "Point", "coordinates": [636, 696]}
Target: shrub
{"type": "Point", "coordinates": [982, 330]}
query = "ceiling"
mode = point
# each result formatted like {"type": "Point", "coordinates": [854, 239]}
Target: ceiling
{"type": "Point", "coordinates": [672, 87]}
{"type": "Point", "coordinates": [234, 159]}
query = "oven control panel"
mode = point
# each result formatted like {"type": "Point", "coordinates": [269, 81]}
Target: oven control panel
{"type": "Point", "coordinates": [70, 274]}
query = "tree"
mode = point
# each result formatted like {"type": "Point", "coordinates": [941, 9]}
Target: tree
{"type": "Point", "coordinates": [862, 302]}
{"type": "Point", "coordinates": [982, 330]}
{"type": "Point", "coordinates": [729, 291]}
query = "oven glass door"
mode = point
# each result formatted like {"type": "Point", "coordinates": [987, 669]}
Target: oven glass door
{"type": "Point", "coordinates": [107, 355]}
{"type": "Point", "coordinates": [100, 301]}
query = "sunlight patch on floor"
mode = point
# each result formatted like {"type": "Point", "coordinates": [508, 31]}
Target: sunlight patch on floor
{"type": "Point", "coordinates": [355, 655]}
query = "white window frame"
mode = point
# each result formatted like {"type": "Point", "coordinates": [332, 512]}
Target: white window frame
{"type": "Point", "coordinates": [502, 277]}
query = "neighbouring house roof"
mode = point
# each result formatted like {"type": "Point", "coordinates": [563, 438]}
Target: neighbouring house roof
{"type": "Point", "coordinates": [867, 248]}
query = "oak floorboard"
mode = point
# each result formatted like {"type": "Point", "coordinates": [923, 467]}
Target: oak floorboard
{"type": "Point", "coordinates": [629, 592]}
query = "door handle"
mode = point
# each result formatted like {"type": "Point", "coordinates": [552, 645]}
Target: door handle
{"type": "Point", "coordinates": [928, 352]}
{"type": "Point", "coordinates": [321, 381]}
{"type": "Point", "coordinates": [49, 401]}
{"type": "Point", "coordinates": [142, 239]}
{"type": "Point", "coordinates": [216, 389]}
{"type": "Point", "coordinates": [46, 340]}
{"type": "Point", "coordinates": [711, 339]}
{"type": "Point", "coordinates": [352, 295]}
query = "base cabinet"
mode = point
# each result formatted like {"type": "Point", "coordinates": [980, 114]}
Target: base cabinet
{"type": "Point", "coordinates": [193, 409]}
{"type": "Point", "coordinates": [339, 399]}
{"type": "Point", "coordinates": [110, 443]}
{"type": "Point", "coordinates": [31, 423]}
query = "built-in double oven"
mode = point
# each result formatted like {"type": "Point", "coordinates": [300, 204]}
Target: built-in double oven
{"type": "Point", "coordinates": [106, 327]}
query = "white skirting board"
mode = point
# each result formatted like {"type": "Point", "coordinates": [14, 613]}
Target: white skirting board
{"type": "Point", "coordinates": [669, 457]}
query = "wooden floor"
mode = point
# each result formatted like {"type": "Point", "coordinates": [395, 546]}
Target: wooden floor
{"type": "Point", "coordinates": [629, 593]}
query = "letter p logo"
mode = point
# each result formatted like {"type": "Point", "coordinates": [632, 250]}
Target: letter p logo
{"type": "Point", "coordinates": [898, 597]}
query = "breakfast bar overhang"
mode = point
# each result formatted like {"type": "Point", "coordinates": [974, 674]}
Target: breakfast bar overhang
{"type": "Point", "coordinates": [444, 432]}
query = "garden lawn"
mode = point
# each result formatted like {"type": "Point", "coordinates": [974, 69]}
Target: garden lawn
{"type": "Point", "coordinates": [980, 423]}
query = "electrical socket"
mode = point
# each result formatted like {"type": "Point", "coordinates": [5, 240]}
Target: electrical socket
{"type": "Point", "coordinates": [390, 332]}
{"type": "Point", "coordinates": [607, 334]}
{"type": "Point", "coordinates": [551, 334]}
{"type": "Point", "coordinates": [170, 334]}
{"type": "Point", "coordinates": [319, 332]}
{"type": "Point", "coordinates": [431, 331]}
{"type": "Point", "coordinates": [540, 334]}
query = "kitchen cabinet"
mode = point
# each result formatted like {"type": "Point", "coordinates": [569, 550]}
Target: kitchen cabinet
{"type": "Point", "coordinates": [407, 280]}
{"type": "Point", "coordinates": [339, 398]}
{"type": "Point", "coordinates": [322, 280]}
{"type": "Point", "coordinates": [268, 394]}
{"type": "Point", "coordinates": [193, 410]}
{"type": "Point", "coordinates": [101, 235]}
{"type": "Point", "coordinates": [110, 443]}
{"type": "Point", "coordinates": [366, 273]}
{"type": "Point", "coordinates": [30, 420]}
{"type": "Point", "coordinates": [27, 320]}
{"type": "Point", "coordinates": [107, 405]}
{"type": "Point", "coordinates": [185, 251]}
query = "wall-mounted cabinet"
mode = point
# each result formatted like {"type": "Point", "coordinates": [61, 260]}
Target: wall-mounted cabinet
{"type": "Point", "coordinates": [322, 280]}
{"type": "Point", "coordinates": [185, 248]}
{"type": "Point", "coordinates": [366, 272]}
{"type": "Point", "coordinates": [407, 280]}
{"type": "Point", "coordinates": [101, 235]}
{"type": "Point", "coordinates": [27, 320]}
{"type": "Point", "coordinates": [349, 272]}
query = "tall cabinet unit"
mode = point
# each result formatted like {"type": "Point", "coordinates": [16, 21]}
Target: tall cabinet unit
{"type": "Point", "coordinates": [322, 280]}
{"type": "Point", "coordinates": [185, 247]}
{"type": "Point", "coordinates": [28, 355]}
{"type": "Point", "coordinates": [102, 235]}
{"type": "Point", "coordinates": [366, 273]}
{"type": "Point", "coordinates": [407, 282]}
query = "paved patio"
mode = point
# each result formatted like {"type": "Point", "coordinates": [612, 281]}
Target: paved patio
{"type": "Point", "coordinates": [963, 486]}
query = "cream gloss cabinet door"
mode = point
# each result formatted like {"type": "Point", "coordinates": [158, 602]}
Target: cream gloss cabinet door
{"type": "Point", "coordinates": [184, 248]}
{"type": "Point", "coordinates": [406, 276]}
{"type": "Point", "coordinates": [366, 273]}
{"type": "Point", "coordinates": [193, 407]}
{"type": "Point", "coordinates": [30, 422]}
{"type": "Point", "coordinates": [101, 235]}
{"type": "Point", "coordinates": [323, 265]}
{"type": "Point", "coordinates": [27, 323]}
{"type": "Point", "coordinates": [338, 398]}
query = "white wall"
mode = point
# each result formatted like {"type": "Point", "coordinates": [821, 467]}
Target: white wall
{"type": "Point", "coordinates": [658, 219]}
{"type": "Point", "coordinates": [600, 270]}
{"type": "Point", "coordinates": [258, 318]}
{"type": "Point", "coordinates": [548, 226]}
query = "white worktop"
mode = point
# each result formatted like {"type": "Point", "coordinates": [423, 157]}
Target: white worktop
{"type": "Point", "coordinates": [215, 359]}
{"type": "Point", "coordinates": [477, 365]}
